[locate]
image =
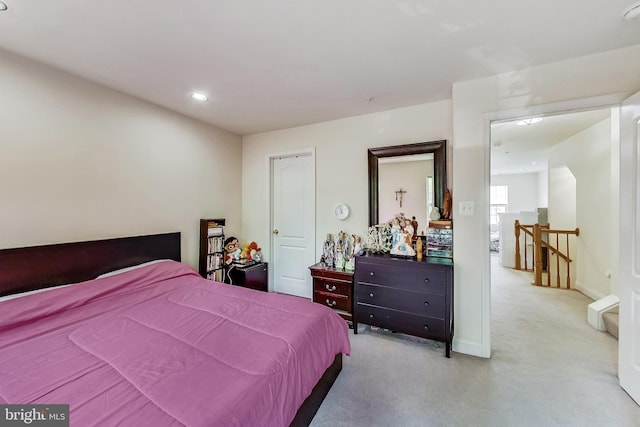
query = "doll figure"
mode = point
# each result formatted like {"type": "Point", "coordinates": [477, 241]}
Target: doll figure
{"type": "Point", "coordinates": [357, 246]}
{"type": "Point", "coordinates": [396, 232]}
{"type": "Point", "coordinates": [446, 205]}
{"type": "Point", "coordinates": [434, 215]}
{"type": "Point", "coordinates": [328, 251]}
{"type": "Point", "coordinates": [409, 231]}
{"type": "Point", "coordinates": [414, 224]}
{"type": "Point", "coordinates": [231, 250]}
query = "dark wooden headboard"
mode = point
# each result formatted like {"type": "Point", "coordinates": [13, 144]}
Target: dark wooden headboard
{"type": "Point", "coordinates": [36, 267]}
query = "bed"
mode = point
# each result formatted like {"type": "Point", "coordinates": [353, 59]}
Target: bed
{"type": "Point", "coordinates": [157, 344]}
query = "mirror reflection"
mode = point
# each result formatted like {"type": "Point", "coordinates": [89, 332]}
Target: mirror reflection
{"type": "Point", "coordinates": [405, 184]}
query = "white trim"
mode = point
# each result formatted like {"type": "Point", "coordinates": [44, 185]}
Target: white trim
{"type": "Point", "coordinates": [594, 295]}
{"type": "Point", "coordinates": [311, 151]}
{"type": "Point", "coordinates": [471, 348]}
{"type": "Point", "coordinates": [569, 106]}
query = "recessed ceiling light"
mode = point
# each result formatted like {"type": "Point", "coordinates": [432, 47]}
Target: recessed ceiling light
{"type": "Point", "coordinates": [3, 6]}
{"type": "Point", "coordinates": [533, 163]}
{"type": "Point", "coordinates": [198, 96]}
{"type": "Point", "coordinates": [633, 12]}
{"type": "Point", "coordinates": [527, 122]}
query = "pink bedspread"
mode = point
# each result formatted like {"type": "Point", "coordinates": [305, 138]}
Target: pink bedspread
{"type": "Point", "coordinates": [160, 346]}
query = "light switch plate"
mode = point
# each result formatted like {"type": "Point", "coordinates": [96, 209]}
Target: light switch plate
{"type": "Point", "coordinates": [466, 208]}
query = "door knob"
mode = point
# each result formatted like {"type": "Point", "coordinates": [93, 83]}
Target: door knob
{"type": "Point", "coordinates": [275, 231]}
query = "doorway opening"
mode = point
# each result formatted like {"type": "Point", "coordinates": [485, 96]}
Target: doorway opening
{"type": "Point", "coordinates": [557, 171]}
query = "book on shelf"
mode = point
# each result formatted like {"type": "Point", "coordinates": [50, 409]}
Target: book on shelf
{"type": "Point", "coordinates": [214, 231]}
{"type": "Point", "coordinates": [217, 275]}
{"type": "Point", "coordinates": [214, 261]}
{"type": "Point", "coordinates": [243, 263]}
{"type": "Point", "coordinates": [214, 244]}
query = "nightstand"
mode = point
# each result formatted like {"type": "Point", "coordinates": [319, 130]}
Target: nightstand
{"type": "Point", "coordinates": [334, 288]}
{"type": "Point", "coordinates": [254, 276]}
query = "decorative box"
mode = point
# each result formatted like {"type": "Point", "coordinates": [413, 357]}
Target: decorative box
{"type": "Point", "coordinates": [440, 242]}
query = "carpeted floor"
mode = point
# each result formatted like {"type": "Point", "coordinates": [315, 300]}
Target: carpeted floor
{"type": "Point", "coordinates": [548, 368]}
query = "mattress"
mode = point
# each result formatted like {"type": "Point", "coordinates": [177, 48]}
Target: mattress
{"type": "Point", "coordinates": [161, 346]}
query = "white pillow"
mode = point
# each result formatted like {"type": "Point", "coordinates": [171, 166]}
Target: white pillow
{"type": "Point", "coordinates": [110, 273]}
{"type": "Point", "coordinates": [37, 291]}
{"type": "Point", "coordinates": [133, 267]}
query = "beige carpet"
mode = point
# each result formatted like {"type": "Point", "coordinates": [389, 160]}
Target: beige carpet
{"type": "Point", "coordinates": [548, 368]}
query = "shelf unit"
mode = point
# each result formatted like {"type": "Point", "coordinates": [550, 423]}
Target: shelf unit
{"type": "Point", "coordinates": [211, 260]}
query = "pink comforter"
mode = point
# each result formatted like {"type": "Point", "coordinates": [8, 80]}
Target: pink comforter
{"type": "Point", "coordinates": [160, 346]}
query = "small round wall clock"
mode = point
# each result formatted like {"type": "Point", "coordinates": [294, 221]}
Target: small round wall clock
{"type": "Point", "coordinates": [341, 211]}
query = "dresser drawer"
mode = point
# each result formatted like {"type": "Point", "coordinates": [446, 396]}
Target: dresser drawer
{"type": "Point", "coordinates": [333, 286]}
{"type": "Point", "coordinates": [400, 276]}
{"type": "Point", "coordinates": [399, 321]}
{"type": "Point", "coordinates": [421, 303]}
{"type": "Point", "coordinates": [335, 301]}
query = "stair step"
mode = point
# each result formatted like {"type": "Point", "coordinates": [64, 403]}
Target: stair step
{"type": "Point", "coordinates": [611, 322]}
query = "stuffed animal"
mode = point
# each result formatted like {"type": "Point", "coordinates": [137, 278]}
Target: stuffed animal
{"type": "Point", "coordinates": [231, 250]}
{"type": "Point", "coordinates": [253, 250]}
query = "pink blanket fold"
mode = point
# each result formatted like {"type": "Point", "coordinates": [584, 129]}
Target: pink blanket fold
{"type": "Point", "coordinates": [161, 346]}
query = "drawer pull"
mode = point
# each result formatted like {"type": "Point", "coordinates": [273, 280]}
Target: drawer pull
{"type": "Point", "coordinates": [331, 303]}
{"type": "Point", "coordinates": [371, 295]}
{"type": "Point", "coordinates": [426, 280]}
{"type": "Point", "coordinates": [426, 327]}
{"type": "Point", "coordinates": [372, 274]}
{"type": "Point", "coordinates": [332, 288]}
{"type": "Point", "coordinates": [426, 303]}
{"type": "Point", "coordinates": [371, 316]}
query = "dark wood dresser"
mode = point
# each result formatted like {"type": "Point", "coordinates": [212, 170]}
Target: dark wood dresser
{"type": "Point", "coordinates": [405, 295]}
{"type": "Point", "coordinates": [334, 288]}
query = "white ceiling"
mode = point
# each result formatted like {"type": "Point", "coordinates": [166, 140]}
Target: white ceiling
{"type": "Point", "coordinates": [517, 149]}
{"type": "Point", "coordinates": [281, 63]}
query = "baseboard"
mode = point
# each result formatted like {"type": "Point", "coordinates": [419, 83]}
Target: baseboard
{"type": "Point", "coordinates": [594, 295]}
{"type": "Point", "coordinates": [471, 348]}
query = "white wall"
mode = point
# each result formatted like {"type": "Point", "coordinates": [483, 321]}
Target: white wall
{"type": "Point", "coordinates": [523, 191]}
{"type": "Point", "coordinates": [542, 179]}
{"type": "Point", "coordinates": [341, 164]}
{"type": "Point", "coordinates": [79, 161]}
{"type": "Point", "coordinates": [342, 174]}
{"type": "Point", "coordinates": [562, 197]}
{"type": "Point", "coordinates": [560, 86]}
{"type": "Point", "coordinates": [562, 215]}
{"type": "Point", "coordinates": [411, 176]}
{"type": "Point", "coordinates": [587, 154]}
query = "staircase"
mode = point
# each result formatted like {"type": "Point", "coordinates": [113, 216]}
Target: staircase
{"type": "Point", "coordinates": [550, 257]}
{"type": "Point", "coordinates": [603, 314]}
{"type": "Point", "coordinates": [611, 322]}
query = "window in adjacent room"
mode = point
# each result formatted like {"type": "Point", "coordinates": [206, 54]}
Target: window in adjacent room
{"type": "Point", "coordinates": [499, 201]}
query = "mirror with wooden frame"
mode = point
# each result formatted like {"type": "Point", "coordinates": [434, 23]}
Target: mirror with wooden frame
{"type": "Point", "coordinates": [437, 148]}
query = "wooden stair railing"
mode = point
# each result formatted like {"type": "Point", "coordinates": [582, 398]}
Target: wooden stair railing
{"type": "Point", "coordinates": [553, 253]}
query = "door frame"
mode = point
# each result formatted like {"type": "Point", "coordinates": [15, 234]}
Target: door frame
{"type": "Point", "coordinates": [311, 151]}
{"type": "Point", "coordinates": [628, 372]}
{"type": "Point", "coordinates": [570, 106]}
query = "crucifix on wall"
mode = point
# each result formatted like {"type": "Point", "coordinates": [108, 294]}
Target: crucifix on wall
{"type": "Point", "coordinates": [399, 194]}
